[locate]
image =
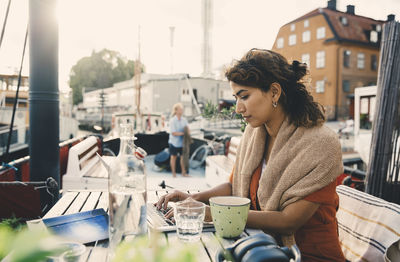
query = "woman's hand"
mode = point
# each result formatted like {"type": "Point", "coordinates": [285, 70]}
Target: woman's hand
{"type": "Point", "coordinates": [174, 197]}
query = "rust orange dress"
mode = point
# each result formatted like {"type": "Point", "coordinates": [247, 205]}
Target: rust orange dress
{"type": "Point", "coordinates": [318, 238]}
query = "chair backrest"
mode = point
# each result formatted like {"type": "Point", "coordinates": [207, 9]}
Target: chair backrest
{"type": "Point", "coordinates": [368, 225]}
{"type": "Point", "coordinates": [233, 146]}
{"type": "Point", "coordinates": [82, 157]}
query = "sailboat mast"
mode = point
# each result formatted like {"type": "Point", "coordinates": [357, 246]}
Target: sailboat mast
{"type": "Point", "coordinates": [138, 71]}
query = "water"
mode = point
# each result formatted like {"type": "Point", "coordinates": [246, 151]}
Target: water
{"type": "Point", "coordinates": [189, 226]}
{"type": "Point", "coordinates": [127, 204]}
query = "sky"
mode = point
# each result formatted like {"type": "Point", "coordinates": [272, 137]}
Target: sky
{"type": "Point", "coordinates": [238, 25]}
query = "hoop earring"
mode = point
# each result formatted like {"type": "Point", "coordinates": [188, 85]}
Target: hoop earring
{"type": "Point", "coordinates": [274, 104]}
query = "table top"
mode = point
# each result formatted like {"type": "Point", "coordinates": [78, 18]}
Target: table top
{"type": "Point", "coordinates": [79, 201]}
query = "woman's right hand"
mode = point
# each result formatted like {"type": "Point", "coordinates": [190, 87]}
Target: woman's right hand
{"type": "Point", "coordinates": [174, 197]}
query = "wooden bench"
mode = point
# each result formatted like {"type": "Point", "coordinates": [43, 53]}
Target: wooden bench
{"type": "Point", "coordinates": [84, 170]}
{"type": "Point", "coordinates": [219, 167]}
{"type": "Point", "coordinates": [369, 227]}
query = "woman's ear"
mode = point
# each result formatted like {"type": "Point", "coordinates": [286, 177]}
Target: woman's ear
{"type": "Point", "coordinates": [276, 91]}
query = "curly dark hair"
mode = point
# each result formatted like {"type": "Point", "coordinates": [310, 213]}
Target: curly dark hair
{"type": "Point", "coordinates": [260, 68]}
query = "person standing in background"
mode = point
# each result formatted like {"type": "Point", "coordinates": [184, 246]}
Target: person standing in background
{"type": "Point", "coordinates": [177, 124]}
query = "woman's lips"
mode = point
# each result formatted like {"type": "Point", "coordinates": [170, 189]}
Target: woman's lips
{"type": "Point", "coordinates": [247, 118]}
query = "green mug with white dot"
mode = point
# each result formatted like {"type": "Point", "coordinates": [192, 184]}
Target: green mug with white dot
{"type": "Point", "coordinates": [229, 215]}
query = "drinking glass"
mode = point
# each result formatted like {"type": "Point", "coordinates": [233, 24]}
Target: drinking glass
{"type": "Point", "coordinates": [189, 217]}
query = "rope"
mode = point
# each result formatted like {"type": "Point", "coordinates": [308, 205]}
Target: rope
{"type": "Point", "coordinates": [16, 98]}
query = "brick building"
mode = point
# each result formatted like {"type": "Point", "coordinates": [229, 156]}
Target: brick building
{"type": "Point", "coordinates": [341, 50]}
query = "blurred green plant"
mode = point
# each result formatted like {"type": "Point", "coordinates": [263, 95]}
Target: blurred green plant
{"type": "Point", "coordinates": [154, 249]}
{"type": "Point", "coordinates": [22, 244]}
{"type": "Point", "coordinates": [13, 222]}
{"type": "Point", "coordinates": [211, 111]}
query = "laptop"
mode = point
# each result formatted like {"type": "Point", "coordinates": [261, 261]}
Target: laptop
{"type": "Point", "coordinates": [157, 220]}
{"type": "Point", "coordinates": [155, 217]}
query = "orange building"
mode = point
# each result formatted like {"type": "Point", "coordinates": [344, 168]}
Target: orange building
{"type": "Point", "coordinates": [341, 50]}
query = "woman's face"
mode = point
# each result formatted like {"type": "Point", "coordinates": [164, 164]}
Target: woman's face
{"type": "Point", "coordinates": [254, 105]}
{"type": "Point", "coordinates": [179, 111]}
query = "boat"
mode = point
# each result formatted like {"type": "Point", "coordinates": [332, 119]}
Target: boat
{"type": "Point", "coordinates": [19, 117]}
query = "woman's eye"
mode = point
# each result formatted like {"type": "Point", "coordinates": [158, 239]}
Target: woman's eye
{"type": "Point", "coordinates": [244, 97]}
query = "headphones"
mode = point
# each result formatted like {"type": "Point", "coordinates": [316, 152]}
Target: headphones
{"type": "Point", "coordinates": [258, 248]}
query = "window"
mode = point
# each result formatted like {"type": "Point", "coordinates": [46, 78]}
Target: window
{"type": "Point", "coordinates": [346, 58]}
{"type": "Point", "coordinates": [373, 37]}
{"type": "Point", "coordinates": [305, 58]}
{"type": "Point", "coordinates": [292, 39]}
{"type": "Point", "coordinates": [320, 88]}
{"type": "Point", "coordinates": [360, 60]}
{"type": "Point", "coordinates": [320, 32]}
{"type": "Point", "coordinates": [3, 84]}
{"type": "Point", "coordinates": [292, 27]}
{"type": "Point", "coordinates": [343, 20]}
{"type": "Point", "coordinates": [306, 36]}
{"type": "Point", "coordinates": [374, 63]}
{"type": "Point", "coordinates": [346, 86]}
{"type": "Point", "coordinates": [26, 82]}
{"type": "Point", "coordinates": [279, 42]}
{"type": "Point", "coordinates": [306, 23]}
{"type": "Point", "coordinates": [320, 59]}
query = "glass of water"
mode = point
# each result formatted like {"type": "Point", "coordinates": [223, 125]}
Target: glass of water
{"type": "Point", "coordinates": [189, 217]}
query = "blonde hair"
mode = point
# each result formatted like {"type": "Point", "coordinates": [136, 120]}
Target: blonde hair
{"type": "Point", "coordinates": [175, 108]}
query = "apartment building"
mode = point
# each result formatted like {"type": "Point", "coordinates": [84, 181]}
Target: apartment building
{"type": "Point", "coordinates": [341, 50]}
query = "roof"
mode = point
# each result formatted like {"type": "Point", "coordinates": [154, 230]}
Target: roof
{"type": "Point", "coordinates": [356, 31]}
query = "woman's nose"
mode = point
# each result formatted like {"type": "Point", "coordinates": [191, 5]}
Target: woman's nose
{"type": "Point", "coordinates": [239, 108]}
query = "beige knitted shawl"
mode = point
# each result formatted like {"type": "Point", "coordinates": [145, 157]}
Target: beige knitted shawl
{"type": "Point", "coordinates": [302, 161]}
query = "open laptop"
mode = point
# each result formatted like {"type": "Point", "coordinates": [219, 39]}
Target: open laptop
{"type": "Point", "coordinates": [155, 217]}
{"type": "Point", "coordinates": [157, 220]}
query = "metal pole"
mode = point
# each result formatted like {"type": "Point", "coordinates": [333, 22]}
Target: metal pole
{"type": "Point", "coordinates": [43, 93]}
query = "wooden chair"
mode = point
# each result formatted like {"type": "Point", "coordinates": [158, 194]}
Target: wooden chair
{"type": "Point", "coordinates": [219, 167]}
{"type": "Point", "coordinates": [369, 227]}
{"type": "Point", "coordinates": [84, 170]}
{"type": "Point", "coordinates": [23, 199]}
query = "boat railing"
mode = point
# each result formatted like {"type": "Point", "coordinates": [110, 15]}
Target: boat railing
{"type": "Point", "coordinates": [221, 123]}
{"type": "Point", "coordinates": [18, 169]}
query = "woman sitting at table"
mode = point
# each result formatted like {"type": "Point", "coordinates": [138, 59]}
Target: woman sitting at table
{"type": "Point", "coordinates": [287, 161]}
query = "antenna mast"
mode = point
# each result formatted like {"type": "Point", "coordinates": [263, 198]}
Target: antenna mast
{"type": "Point", "coordinates": [171, 35]}
{"type": "Point", "coordinates": [207, 20]}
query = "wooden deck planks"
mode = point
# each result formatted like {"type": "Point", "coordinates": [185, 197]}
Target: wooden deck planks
{"type": "Point", "coordinates": [201, 253]}
{"type": "Point", "coordinates": [103, 201]}
{"type": "Point", "coordinates": [91, 201]}
{"type": "Point", "coordinates": [211, 244]}
{"type": "Point", "coordinates": [79, 201]}
{"type": "Point", "coordinates": [72, 202]}
{"type": "Point", "coordinates": [62, 205]}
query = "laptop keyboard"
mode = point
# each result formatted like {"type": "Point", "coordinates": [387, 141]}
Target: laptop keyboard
{"type": "Point", "coordinates": [156, 217]}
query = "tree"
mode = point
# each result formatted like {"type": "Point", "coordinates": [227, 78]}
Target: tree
{"type": "Point", "coordinates": [100, 70]}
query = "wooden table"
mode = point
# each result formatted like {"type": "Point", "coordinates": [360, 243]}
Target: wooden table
{"type": "Point", "coordinates": [79, 201]}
